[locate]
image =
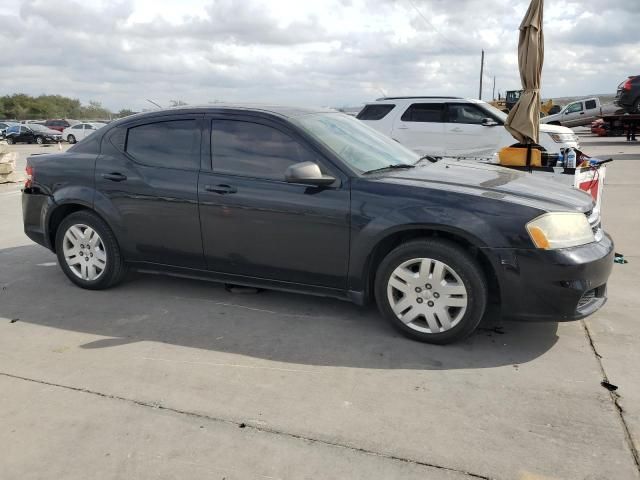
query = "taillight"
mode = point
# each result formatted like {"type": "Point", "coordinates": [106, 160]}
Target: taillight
{"type": "Point", "coordinates": [627, 85]}
{"type": "Point", "coordinates": [29, 181]}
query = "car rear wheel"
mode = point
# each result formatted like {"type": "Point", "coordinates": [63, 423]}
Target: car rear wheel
{"type": "Point", "coordinates": [636, 106]}
{"type": "Point", "coordinates": [39, 140]}
{"type": "Point", "coordinates": [88, 251]}
{"type": "Point", "coordinates": [431, 290]}
{"type": "Point", "coordinates": [71, 139]}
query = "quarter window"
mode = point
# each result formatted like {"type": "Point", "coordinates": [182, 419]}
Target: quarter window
{"type": "Point", "coordinates": [254, 150]}
{"type": "Point", "coordinates": [374, 112]}
{"type": "Point", "coordinates": [171, 144]}
{"type": "Point", "coordinates": [77, 127]}
{"type": "Point", "coordinates": [590, 104]}
{"type": "Point", "coordinates": [466, 113]}
{"type": "Point", "coordinates": [423, 112]}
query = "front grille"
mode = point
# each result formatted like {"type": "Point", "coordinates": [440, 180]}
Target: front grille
{"type": "Point", "coordinates": [587, 298]}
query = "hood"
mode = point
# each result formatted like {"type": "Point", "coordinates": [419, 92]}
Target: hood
{"type": "Point", "coordinates": [544, 127]}
{"type": "Point", "coordinates": [47, 131]}
{"type": "Point", "coordinates": [538, 190]}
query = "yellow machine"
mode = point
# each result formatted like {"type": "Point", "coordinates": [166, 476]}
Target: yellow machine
{"type": "Point", "coordinates": [511, 98]}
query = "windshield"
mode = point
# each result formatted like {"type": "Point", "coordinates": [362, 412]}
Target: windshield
{"type": "Point", "coordinates": [37, 128]}
{"type": "Point", "coordinates": [358, 145]}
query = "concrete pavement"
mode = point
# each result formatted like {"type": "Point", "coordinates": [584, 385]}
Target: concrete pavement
{"type": "Point", "coordinates": [166, 378]}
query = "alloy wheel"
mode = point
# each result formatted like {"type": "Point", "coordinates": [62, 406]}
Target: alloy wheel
{"type": "Point", "coordinates": [84, 252]}
{"type": "Point", "coordinates": [427, 295]}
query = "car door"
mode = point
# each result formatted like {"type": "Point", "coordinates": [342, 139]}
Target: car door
{"type": "Point", "coordinates": [254, 223]}
{"type": "Point", "coordinates": [465, 134]}
{"type": "Point", "coordinates": [146, 178]}
{"type": "Point", "coordinates": [26, 135]}
{"type": "Point", "coordinates": [573, 114]}
{"type": "Point", "coordinates": [77, 131]}
{"type": "Point", "coordinates": [421, 128]}
{"type": "Point", "coordinates": [591, 111]}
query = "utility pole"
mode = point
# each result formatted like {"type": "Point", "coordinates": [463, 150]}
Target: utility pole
{"type": "Point", "coordinates": [494, 88]}
{"type": "Point", "coordinates": [481, 74]}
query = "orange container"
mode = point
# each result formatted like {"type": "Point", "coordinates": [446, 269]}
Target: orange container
{"type": "Point", "coordinates": [517, 157]}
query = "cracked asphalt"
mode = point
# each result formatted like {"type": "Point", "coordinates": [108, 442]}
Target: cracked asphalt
{"type": "Point", "coordinates": [172, 378]}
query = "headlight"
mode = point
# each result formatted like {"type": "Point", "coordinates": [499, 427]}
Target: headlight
{"type": "Point", "coordinates": [563, 137]}
{"type": "Point", "coordinates": [560, 230]}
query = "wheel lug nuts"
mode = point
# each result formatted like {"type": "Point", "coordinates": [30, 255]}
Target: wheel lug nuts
{"type": "Point", "coordinates": [436, 295]}
{"type": "Point", "coordinates": [418, 289]}
{"type": "Point", "coordinates": [91, 254]}
{"type": "Point", "coordinates": [428, 286]}
{"type": "Point", "coordinates": [419, 300]}
{"type": "Point", "coordinates": [430, 303]}
{"type": "Point", "coordinates": [86, 259]}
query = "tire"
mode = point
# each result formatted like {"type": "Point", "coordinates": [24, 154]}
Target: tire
{"type": "Point", "coordinates": [428, 307]}
{"type": "Point", "coordinates": [71, 139]}
{"type": "Point", "coordinates": [39, 140]}
{"type": "Point", "coordinates": [103, 253]}
{"type": "Point", "coordinates": [636, 106]}
{"type": "Point", "coordinates": [10, 141]}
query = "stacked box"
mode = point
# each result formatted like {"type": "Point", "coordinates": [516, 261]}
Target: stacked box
{"type": "Point", "coordinates": [8, 172]}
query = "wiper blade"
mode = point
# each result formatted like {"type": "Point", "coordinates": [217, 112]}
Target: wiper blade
{"type": "Point", "coordinates": [431, 158]}
{"type": "Point", "coordinates": [390, 167]}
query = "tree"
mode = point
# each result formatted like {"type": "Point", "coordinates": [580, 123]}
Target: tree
{"type": "Point", "coordinates": [177, 103]}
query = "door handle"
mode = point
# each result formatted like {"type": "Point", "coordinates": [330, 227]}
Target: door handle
{"type": "Point", "coordinates": [221, 189]}
{"type": "Point", "coordinates": [457, 130]}
{"type": "Point", "coordinates": [114, 176]}
{"type": "Point", "coordinates": [581, 113]}
{"type": "Point", "coordinates": [402, 128]}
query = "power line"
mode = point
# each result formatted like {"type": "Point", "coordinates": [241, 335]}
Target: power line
{"type": "Point", "coordinates": [456, 47]}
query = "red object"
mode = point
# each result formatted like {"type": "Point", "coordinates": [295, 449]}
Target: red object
{"type": "Point", "coordinates": [591, 187]}
{"type": "Point", "coordinates": [597, 127]}
{"type": "Point", "coordinates": [29, 181]}
{"type": "Point", "coordinates": [627, 84]}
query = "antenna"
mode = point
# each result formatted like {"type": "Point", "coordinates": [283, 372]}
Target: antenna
{"type": "Point", "coordinates": [154, 103]}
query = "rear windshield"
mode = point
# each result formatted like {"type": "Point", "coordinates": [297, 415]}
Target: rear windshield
{"type": "Point", "coordinates": [375, 112]}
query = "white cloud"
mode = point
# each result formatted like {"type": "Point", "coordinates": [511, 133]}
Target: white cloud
{"type": "Point", "coordinates": [333, 52]}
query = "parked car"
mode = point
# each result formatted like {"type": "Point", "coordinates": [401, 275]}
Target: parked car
{"type": "Point", "coordinates": [579, 113]}
{"type": "Point", "coordinates": [32, 133]}
{"type": "Point", "coordinates": [60, 124]}
{"type": "Point", "coordinates": [451, 126]}
{"type": "Point", "coordinates": [79, 131]}
{"type": "Point", "coordinates": [4, 126]}
{"type": "Point", "coordinates": [628, 94]}
{"type": "Point", "coordinates": [315, 201]}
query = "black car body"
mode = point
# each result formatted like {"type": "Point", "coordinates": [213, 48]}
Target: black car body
{"type": "Point", "coordinates": [215, 211]}
{"type": "Point", "coordinates": [628, 94]}
{"type": "Point", "coordinates": [32, 133]}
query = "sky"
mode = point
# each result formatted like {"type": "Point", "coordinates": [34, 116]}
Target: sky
{"type": "Point", "coordinates": [322, 52]}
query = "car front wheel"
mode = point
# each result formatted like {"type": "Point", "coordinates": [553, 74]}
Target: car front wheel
{"type": "Point", "coordinates": [39, 140]}
{"type": "Point", "coordinates": [71, 139]}
{"type": "Point", "coordinates": [431, 290]}
{"type": "Point", "coordinates": [88, 251]}
{"type": "Point", "coordinates": [10, 141]}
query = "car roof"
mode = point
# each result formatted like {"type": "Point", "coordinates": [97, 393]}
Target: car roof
{"type": "Point", "coordinates": [285, 111]}
{"type": "Point", "coordinates": [418, 98]}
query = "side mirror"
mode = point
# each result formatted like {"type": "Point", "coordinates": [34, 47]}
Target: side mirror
{"type": "Point", "coordinates": [308, 173]}
{"type": "Point", "coordinates": [489, 122]}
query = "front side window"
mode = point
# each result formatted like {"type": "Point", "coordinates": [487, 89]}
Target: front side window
{"type": "Point", "coordinates": [466, 113]}
{"type": "Point", "coordinates": [574, 107]}
{"type": "Point", "coordinates": [78, 127]}
{"type": "Point", "coordinates": [423, 112]}
{"type": "Point", "coordinates": [375, 112]}
{"type": "Point", "coordinates": [170, 144]}
{"type": "Point", "coordinates": [254, 150]}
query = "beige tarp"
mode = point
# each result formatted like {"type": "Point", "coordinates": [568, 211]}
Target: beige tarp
{"type": "Point", "coordinates": [524, 119]}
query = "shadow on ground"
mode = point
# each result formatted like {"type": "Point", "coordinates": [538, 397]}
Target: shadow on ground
{"type": "Point", "coordinates": [271, 325]}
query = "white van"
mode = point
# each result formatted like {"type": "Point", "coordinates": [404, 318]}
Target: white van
{"type": "Point", "coordinates": [453, 127]}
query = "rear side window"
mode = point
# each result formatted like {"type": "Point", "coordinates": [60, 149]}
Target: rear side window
{"type": "Point", "coordinates": [254, 150]}
{"type": "Point", "coordinates": [590, 104]}
{"type": "Point", "coordinates": [171, 144]}
{"type": "Point", "coordinates": [423, 112]}
{"type": "Point", "coordinates": [374, 112]}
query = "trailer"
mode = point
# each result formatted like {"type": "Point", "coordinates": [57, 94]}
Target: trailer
{"type": "Point", "coordinates": [617, 125]}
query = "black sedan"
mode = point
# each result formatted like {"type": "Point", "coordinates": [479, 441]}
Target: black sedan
{"type": "Point", "coordinates": [314, 201]}
{"type": "Point", "coordinates": [32, 133]}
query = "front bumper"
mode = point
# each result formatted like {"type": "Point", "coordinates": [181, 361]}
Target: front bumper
{"type": "Point", "coordinates": [554, 285]}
